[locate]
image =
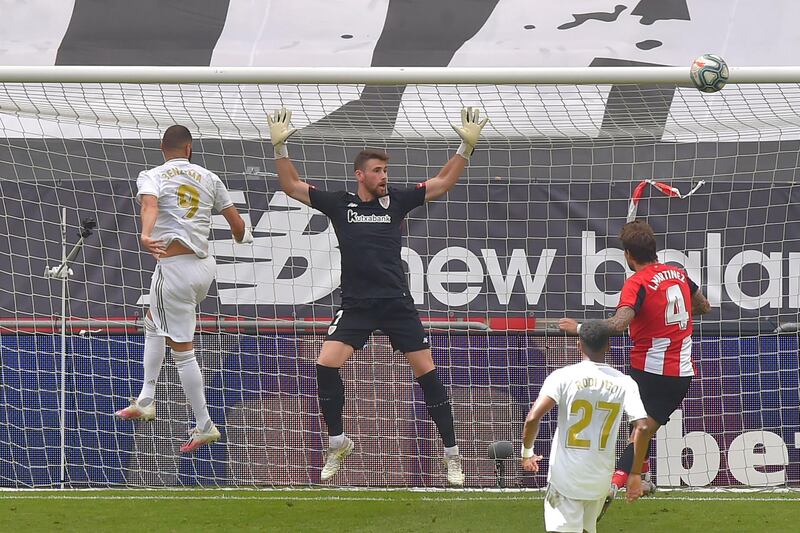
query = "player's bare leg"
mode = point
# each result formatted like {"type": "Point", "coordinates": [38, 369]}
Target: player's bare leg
{"type": "Point", "coordinates": [624, 465]}
{"type": "Point", "coordinates": [439, 409]}
{"type": "Point", "coordinates": [330, 389]}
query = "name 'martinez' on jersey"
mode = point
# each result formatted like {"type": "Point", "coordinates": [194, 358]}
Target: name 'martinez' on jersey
{"type": "Point", "coordinates": [187, 194]}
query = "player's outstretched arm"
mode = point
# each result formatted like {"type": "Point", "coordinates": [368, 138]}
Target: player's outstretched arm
{"type": "Point", "coordinates": [279, 131]}
{"type": "Point", "coordinates": [542, 406]}
{"type": "Point", "coordinates": [621, 319]}
{"type": "Point", "coordinates": [241, 233]}
{"type": "Point", "coordinates": [618, 323]}
{"type": "Point", "coordinates": [470, 132]}
{"type": "Point", "coordinates": [700, 304]}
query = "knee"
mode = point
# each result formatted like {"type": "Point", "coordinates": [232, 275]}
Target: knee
{"type": "Point", "coordinates": [182, 357]}
{"type": "Point", "coordinates": [651, 427]}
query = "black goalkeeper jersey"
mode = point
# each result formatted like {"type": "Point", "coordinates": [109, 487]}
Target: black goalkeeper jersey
{"type": "Point", "coordinates": [369, 235]}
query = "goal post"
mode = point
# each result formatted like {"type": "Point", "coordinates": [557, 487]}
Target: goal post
{"type": "Point", "coordinates": [383, 75]}
{"type": "Point", "coordinates": [526, 237]}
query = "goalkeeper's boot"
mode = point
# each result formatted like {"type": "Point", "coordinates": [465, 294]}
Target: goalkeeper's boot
{"type": "Point", "coordinates": [198, 438]}
{"type": "Point", "coordinates": [136, 412]}
{"type": "Point", "coordinates": [612, 493]}
{"type": "Point", "coordinates": [335, 459]}
{"type": "Point", "coordinates": [455, 474]}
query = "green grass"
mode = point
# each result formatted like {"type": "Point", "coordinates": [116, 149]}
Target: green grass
{"type": "Point", "coordinates": [330, 511]}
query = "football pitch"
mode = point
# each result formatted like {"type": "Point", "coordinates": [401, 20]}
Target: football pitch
{"type": "Point", "coordinates": [329, 511]}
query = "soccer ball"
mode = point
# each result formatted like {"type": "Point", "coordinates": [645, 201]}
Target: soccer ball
{"type": "Point", "coordinates": [709, 73]}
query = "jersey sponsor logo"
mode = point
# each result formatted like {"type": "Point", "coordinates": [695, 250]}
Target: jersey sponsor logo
{"type": "Point", "coordinates": [384, 201]}
{"type": "Point", "coordinates": [355, 218]}
{"type": "Point", "coordinates": [664, 276]}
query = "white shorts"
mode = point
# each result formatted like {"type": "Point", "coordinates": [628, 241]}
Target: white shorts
{"type": "Point", "coordinates": [566, 515]}
{"type": "Point", "coordinates": [179, 283]}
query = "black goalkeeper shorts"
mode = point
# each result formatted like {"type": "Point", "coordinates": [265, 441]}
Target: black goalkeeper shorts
{"type": "Point", "coordinates": [661, 395]}
{"type": "Point", "coordinates": [395, 317]}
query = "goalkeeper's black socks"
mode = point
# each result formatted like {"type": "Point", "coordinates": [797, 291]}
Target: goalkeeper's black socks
{"type": "Point", "coordinates": [438, 405]}
{"type": "Point", "coordinates": [330, 390]}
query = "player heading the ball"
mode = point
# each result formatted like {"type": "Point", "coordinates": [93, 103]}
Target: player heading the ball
{"type": "Point", "coordinates": [375, 293]}
{"type": "Point", "coordinates": [657, 302]}
{"type": "Point", "coordinates": [177, 200]}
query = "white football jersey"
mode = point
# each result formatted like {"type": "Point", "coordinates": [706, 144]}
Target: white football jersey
{"type": "Point", "coordinates": [187, 194]}
{"type": "Point", "coordinates": [591, 398]}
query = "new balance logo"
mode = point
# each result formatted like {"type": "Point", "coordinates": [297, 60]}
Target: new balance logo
{"type": "Point", "coordinates": [253, 276]}
{"type": "Point", "coordinates": [351, 204]}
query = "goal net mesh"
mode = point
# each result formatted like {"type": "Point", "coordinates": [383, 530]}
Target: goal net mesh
{"type": "Point", "coordinates": [527, 236]}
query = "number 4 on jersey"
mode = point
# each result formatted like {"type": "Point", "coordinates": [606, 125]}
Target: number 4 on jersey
{"type": "Point", "coordinates": [676, 312]}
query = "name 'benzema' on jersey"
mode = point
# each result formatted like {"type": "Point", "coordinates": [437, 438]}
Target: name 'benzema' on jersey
{"type": "Point", "coordinates": [187, 194]}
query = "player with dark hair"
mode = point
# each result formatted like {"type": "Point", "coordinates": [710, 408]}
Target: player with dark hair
{"type": "Point", "coordinates": [177, 200]}
{"type": "Point", "coordinates": [375, 292]}
{"type": "Point", "coordinates": [657, 302]}
{"type": "Point", "coordinates": [591, 397]}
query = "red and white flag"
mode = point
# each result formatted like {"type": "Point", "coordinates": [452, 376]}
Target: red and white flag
{"type": "Point", "coordinates": [668, 190]}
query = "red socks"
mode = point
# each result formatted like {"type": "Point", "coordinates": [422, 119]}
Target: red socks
{"type": "Point", "coordinates": [620, 477]}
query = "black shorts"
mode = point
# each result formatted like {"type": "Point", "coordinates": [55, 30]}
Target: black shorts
{"type": "Point", "coordinates": [661, 395]}
{"type": "Point", "coordinates": [395, 317]}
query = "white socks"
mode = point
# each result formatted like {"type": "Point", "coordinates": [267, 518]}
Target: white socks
{"type": "Point", "coordinates": [337, 441]}
{"type": "Point", "coordinates": [192, 382]}
{"type": "Point", "coordinates": [154, 351]}
{"type": "Point", "coordinates": [451, 452]}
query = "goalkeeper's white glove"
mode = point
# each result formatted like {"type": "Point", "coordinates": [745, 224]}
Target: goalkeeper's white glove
{"type": "Point", "coordinates": [470, 130]}
{"type": "Point", "coordinates": [280, 130]}
{"type": "Point", "coordinates": [247, 238]}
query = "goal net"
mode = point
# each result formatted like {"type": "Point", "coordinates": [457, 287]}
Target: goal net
{"type": "Point", "coordinates": [527, 236]}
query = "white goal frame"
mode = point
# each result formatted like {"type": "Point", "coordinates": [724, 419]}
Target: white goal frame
{"type": "Point", "coordinates": [384, 75]}
{"type": "Point", "coordinates": [645, 75]}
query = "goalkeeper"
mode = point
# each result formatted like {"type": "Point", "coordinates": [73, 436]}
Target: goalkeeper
{"type": "Point", "coordinates": [177, 199]}
{"type": "Point", "coordinates": [375, 293]}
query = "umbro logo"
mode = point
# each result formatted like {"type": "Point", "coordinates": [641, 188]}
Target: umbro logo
{"type": "Point", "coordinates": [351, 204]}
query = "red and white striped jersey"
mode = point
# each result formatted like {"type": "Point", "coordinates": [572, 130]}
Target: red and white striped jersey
{"type": "Point", "coordinates": [661, 297]}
